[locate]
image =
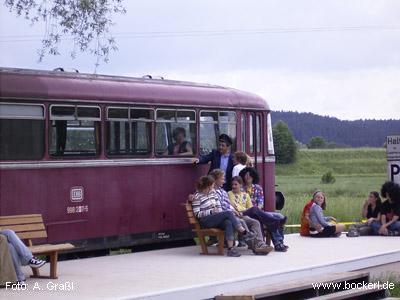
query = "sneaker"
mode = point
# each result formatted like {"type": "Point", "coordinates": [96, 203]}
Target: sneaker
{"type": "Point", "coordinates": [233, 252]}
{"type": "Point", "coordinates": [393, 233]}
{"type": "Point", "coordinates": [280, 248]}
{"type": "Point", "coordinates": [263, 250]}
{"type": "Point", "coordinates": [249, 236]}
{"type": "Point", "coordinates": [36, 263]}
{"type": "Point", "coordinates": [286, 246]}
{"type": "Point", "coordinates": [353, 233]}
{"type": "Point", "coordinates": [241, 244]}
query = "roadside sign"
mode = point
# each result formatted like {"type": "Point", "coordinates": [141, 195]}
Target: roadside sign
{"type": "Point", "coordinates": [394, 171]}
{"type": "Point", "coordinates": [393, 147]}
{"type": "Point", "coordinates": [393, 157]}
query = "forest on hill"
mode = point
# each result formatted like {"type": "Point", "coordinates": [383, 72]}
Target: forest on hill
{"type": "Point", "coordinates": [358, 133]}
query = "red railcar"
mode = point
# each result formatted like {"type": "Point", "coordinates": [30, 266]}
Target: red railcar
{"type": "Point", "coordinates": [89, 152]}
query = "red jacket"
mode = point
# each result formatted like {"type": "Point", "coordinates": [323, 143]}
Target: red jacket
{"type": "Point", "coordinates": [304, 220]}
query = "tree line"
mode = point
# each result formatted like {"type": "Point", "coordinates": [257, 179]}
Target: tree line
{"type": "Point", "coordinates": [332, 132]}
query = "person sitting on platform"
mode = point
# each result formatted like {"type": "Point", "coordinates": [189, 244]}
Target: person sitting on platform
{"type": "Point", "coordinates": [208, 210]}
{"type": "Point", "coordinates": [259, 246]}
{"type": "Point", "coordinates": [389, 223]}
{"type": "Point", "coordinates": [251, 178]}
{"type": "Point", "coordinates": [7, 272]}
{"type": "Point", "coordinates": [20, 254]}
{"type": "Point", "coordinates": [305, 216]}
{"type": "Point", "coordinates": [241, 202]}
{"type": "Point", "coordinates": [371, 211]}
{"type": "Point", "coordinates": [319, 226]}
{"type": "Point", "coordinates": [220, 159]}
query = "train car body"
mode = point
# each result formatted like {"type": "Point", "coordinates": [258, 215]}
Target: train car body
{"type": "Point", "coordinates": [90, 153]}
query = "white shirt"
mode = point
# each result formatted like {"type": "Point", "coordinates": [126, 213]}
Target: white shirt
{"type": "Point", "coordinates": [236, 169]}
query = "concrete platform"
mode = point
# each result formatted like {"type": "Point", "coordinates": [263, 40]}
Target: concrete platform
{"type": "Point", "coordinates": [182, 273]}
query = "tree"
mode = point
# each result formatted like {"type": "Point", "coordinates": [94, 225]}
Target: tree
{"type": "Point", "coordinates": [86, 22]}
{"type": "Point", "coordinates": [316, 142]}
{"type": "Point", "coordinates": [285, 145]}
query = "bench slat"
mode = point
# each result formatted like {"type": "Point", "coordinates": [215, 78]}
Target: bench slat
{"type": "Point", "coordinates": [26, 219]}
{"type": "Point", "coordinates": [32, 234]}
{"type": "Point", "coordinates": [26, 227]}
{"type": "Point", "coordinates": [46, 248]}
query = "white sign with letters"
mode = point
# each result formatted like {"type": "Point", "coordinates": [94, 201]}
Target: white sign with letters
{"type": "Point", "coordinates": [393, 157]}
{"type": "Point", "coordinates": [393, 147]}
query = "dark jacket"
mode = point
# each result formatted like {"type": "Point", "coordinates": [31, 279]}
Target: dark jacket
{"type": "Point", "coordinates": [215, 158]}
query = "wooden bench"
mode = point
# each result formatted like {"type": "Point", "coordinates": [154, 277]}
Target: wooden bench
{"type": "Point", "coordinates": [202, 233]}
{"type": "Point", "coordinates": [29, 227]}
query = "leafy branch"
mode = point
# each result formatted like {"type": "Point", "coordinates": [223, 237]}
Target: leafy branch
{"type": "Point", "coordinates": [86, 22]}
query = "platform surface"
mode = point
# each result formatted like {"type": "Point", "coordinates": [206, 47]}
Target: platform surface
{"type": "Point", "coordinates": [181, 273]}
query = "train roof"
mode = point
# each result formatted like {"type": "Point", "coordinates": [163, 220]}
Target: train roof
{"type": "Point", "coordinates": [61, 86]}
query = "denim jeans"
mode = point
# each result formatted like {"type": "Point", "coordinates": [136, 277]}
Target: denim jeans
{"type": "Point", "coordinates": [20, 254]}
{"type": "Point", "coordinates": [277, 235]}
{"type": "Point", "coordinates": [376, 225]}
{"type": "Point", "coordinates": [268, 219]}
{"type": "Point", "coordinates": [225, 220]}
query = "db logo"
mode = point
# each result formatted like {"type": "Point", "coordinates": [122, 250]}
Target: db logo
{"type": "Point", "coordinates": [76, 194]}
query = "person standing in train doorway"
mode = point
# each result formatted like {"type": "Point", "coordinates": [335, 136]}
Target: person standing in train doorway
{"type": "Point", "coordinates": [221, 158]}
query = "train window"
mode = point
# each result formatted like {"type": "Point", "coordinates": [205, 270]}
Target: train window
{"type": "Point", "coordinates": [88, 113]}
{"type": "Point", "coordinates": [22, 131]}
{"type": "Point", "coordinates": [243, 128]}
{"type": "Point", "coordinates": [212, 124]}
{"type": "Point", "coordinates": [251, 133]}
{"type": "Point", "coordinates": [66, 112]}
{"type": "Point", "coordinates": [270, 136]}
{"type": "Point", "coordinates": [166, 115]}
{"type": "Point", "coordinates": [258, 133]}
{"type": "Point", "coordinates": [129, 131]}
{"type": "Point", "coordinates": [175, 132]}
{"type": "Point", "coordinates": [74, 130]}
{"type": "Point", "coordinates": [118, 113]}
{"type": "Point", "coordinates": [141, 128]}
{"type": "Point", "coordinates": [141, 114]}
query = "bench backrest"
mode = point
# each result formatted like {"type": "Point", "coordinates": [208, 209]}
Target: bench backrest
{"type": "Point", "coordinates": [192, 218]}
{"type": "Point", "coordinates": [27, 227]}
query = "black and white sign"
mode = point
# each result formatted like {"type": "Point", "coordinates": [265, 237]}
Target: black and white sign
{"type": "Point", "coordinates": [393, 157]}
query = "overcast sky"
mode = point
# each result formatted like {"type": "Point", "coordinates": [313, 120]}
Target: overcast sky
{"type": "Point", "coordinates": [336, 58]}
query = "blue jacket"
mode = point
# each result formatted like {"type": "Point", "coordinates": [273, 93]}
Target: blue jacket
{"type": "Point", "coordinates": [215, 158]}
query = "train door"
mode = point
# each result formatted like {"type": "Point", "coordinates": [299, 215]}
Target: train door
{"type": "Point", "coordinates": [256, 145]}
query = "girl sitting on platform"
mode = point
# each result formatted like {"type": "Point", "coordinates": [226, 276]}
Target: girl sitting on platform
{"type": "Point", "coordinates": [208, 211]}
{"type": "Point", "coordinates": [371, 211]}
{"type": "Point", "coordinates": [389, 223]}
{"type": "Point", "coordinates": [319, 226]}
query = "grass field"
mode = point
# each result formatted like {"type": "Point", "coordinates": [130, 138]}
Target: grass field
{"type": "Point", "coordinates": [357, 172]}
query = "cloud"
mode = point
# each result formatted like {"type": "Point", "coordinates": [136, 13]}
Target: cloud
{"type": "Point", "coordinates": [359, 94]}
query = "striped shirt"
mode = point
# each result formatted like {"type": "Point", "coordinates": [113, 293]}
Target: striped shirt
{"type": "Point", "coordinates": [204, 204]}
{"type": "Point", "coordinates": [223, 199]}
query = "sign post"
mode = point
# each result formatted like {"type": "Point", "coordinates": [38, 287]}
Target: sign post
{"type": "Point", "coordinates": [393, 157]}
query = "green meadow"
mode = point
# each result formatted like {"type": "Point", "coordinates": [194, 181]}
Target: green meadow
{"type": "Point", "coordinates": [357, 172]}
